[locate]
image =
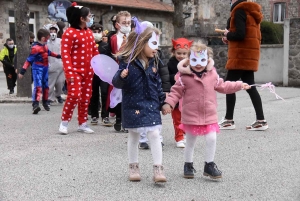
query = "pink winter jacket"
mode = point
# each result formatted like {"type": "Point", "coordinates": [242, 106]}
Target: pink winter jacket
{"type": "Point", "coordinates": [199, 99]}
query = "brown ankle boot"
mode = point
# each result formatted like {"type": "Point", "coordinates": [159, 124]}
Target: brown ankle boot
{"type": "Point", "coordinates": [159, 175]}
{"type": "Point", "coordinates": [134, 172]}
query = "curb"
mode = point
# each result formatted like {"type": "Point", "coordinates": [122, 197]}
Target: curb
{"type": "Point", "coordinates": [15, 101]}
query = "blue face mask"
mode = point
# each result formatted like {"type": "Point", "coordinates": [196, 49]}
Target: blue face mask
{"type": "Point", "coordinates": [90, 23]}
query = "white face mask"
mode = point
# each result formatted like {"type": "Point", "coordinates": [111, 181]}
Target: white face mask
{"type": "Point", "coordinates": [124, 29]}
{"type": "Point", "coordinates": [199, 57]}
{"type": "Point", "coordinates": [97, 36]}
{"type": "Point", "coordinates": [153, 41]}
{"type": "Point", "coordinates": [53, 36]}
{"type": "Point", "coordinates": [11, 46]}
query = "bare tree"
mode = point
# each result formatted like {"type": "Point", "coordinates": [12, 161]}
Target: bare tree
{"type": "Point", "coordinates": [22, 41]}
{"type": "Point", "coordinates": [178, 20]}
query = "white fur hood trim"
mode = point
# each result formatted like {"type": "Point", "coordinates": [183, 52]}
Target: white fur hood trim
{"type": "Point", "coordinates": [187, 69]}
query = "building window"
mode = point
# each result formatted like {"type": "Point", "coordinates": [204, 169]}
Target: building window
{"type": "Point", "coordinates": [11, 19]}
{"type": "Point", "coordinates": [279, 12]}
{"type": "Point", "coordinates": [158, 26]}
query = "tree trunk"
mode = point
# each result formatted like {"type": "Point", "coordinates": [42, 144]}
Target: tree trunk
{"type": "Point", "coordinates": [22, 41]}
{"type": "Point", "coordinates": [178, 21]}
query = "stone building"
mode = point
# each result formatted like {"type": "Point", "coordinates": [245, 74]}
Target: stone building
{"type": "Point", "coordinates": [210, 14]}
{"type": "Point", "coordinates": [158, 12]}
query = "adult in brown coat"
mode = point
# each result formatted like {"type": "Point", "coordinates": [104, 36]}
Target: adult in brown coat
{"type": "Point", "coordinates": [243, 37]}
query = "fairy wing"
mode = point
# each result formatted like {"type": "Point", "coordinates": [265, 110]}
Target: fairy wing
{"type": "Point", "coordinates": [115, 97]}
{"type": "Point", "coordinates": [105, 67]}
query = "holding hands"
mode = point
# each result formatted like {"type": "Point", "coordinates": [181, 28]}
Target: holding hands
{"type": "Point", "coordinates": [166, 109]}
{"type": "Point", "coordinates": [124, 73]}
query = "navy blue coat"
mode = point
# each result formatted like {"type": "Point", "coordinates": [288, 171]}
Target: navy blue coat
{"type": "Point", "coordinates": [142, 94]}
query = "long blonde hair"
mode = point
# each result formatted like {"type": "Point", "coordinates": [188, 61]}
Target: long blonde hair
{"type": "Point", "coordinates": [142, 40]}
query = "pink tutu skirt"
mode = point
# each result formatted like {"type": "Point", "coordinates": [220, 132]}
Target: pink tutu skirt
{"type": "Point", "coordinates": [200, 130]}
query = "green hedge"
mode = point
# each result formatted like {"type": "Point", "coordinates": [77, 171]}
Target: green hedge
{"type": "Point", "coordinates": [271, 33]}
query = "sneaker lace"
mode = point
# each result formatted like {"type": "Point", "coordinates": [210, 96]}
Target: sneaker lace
{"type": "Point", "coordinates": [191, 168]}
{"type": "Point", "coordinates": [216, 168]}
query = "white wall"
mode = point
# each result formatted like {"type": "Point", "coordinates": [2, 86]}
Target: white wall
{"type": "Point", "coordinates": [270, 65]}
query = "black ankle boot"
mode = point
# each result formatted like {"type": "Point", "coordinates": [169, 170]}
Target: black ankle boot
{"type": "Point", "coordinates": [118, 124]}
{"type": "Point", "coordinates": [189, 170]}
{"type": "Point", "coordinates": [211, 170]}
{"type": "Point", "coordinates": [35, 107]}
{"type": "Point", "coordinates": [46, 105]}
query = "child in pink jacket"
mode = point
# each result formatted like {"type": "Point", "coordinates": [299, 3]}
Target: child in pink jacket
{"type": "Point", "coordinates": [197, 83]}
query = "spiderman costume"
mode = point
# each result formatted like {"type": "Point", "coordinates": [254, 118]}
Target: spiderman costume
{"type": "Point", "coordinates": [38, 59]}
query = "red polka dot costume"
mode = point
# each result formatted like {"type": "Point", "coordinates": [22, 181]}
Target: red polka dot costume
{"type": "Point", "coordinates": [77, 49]}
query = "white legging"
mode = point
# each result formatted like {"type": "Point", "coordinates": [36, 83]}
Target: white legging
{"type": "Point", "coordinates": [155, 145]}
{"type": "Point", "coordinates": [210, 148]}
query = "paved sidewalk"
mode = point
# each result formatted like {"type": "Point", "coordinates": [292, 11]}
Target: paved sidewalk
{"type": "Point", "coordinates": [37, 163]}
{"type": "Point", "coordinates": [5, 97]}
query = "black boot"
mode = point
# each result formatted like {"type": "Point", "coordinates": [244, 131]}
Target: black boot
{"type": "Point", "coordinates": [60, 100]}
{"type": "Point", "coordinates": [211, 170]}
{"type": "Point", "coordinates": [11, 91]}
{"type": "Point", "coordinates": [118, 124]}
{"type": "Point", "coordinates": [46, 105]}
{"type": "Point", "coordinates": [189, 170]}
{"type": "Point", "coordinates": [35, 107]}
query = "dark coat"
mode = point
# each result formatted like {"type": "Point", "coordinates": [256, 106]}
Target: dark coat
{"type": "Point", "coordinates": [164, 74]}
{"type": "Point", "coordinates": [172, 67]}
{"type": "Point", "coordinates": [142, 94]}
{"type": "Point", "coordinates": [103, 48]}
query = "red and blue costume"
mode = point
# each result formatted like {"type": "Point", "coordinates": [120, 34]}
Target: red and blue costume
{"type": "Point", "coordinates": [38, 59]}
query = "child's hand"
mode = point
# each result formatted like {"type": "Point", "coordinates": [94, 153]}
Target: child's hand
{"type": "Point", "coordinates": [225, 41]}
{"type": "Point", "coordinates": [245, 86]}
{"type": "Point", "coordinates": [124, 73]}
{"type": "Point", "coordinates": [166, 109]}
{"type": "Point", "coordinates": [20, 76]}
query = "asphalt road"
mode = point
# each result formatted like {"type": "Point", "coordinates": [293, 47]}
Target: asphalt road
{"type": "Point", "coordinates": [37, 163]}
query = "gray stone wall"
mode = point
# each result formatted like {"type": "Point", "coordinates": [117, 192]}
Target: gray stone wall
{"type": "Point", "coordinates": [220, 58]}
{"type": "Point", "coordinates": [208, 15]}
{"type": "Point", "coordinates": [294, 53]}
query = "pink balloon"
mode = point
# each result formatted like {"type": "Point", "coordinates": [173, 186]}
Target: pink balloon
{"type": "Point", "coordinates": [105, 67]}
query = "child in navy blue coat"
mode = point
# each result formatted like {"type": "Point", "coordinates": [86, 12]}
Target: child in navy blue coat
{"type": "Point", "coordinates": [143, 98]}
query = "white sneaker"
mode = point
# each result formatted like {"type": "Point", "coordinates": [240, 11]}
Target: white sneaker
{"type": "Point", "coordinates": [63, 129]}
{"type": "Point", "coordinates": [225, 124]}
{"type": "Point", "coordinates": [180, 144]}
{"type": "Point", "coordinates": [84, 128]}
